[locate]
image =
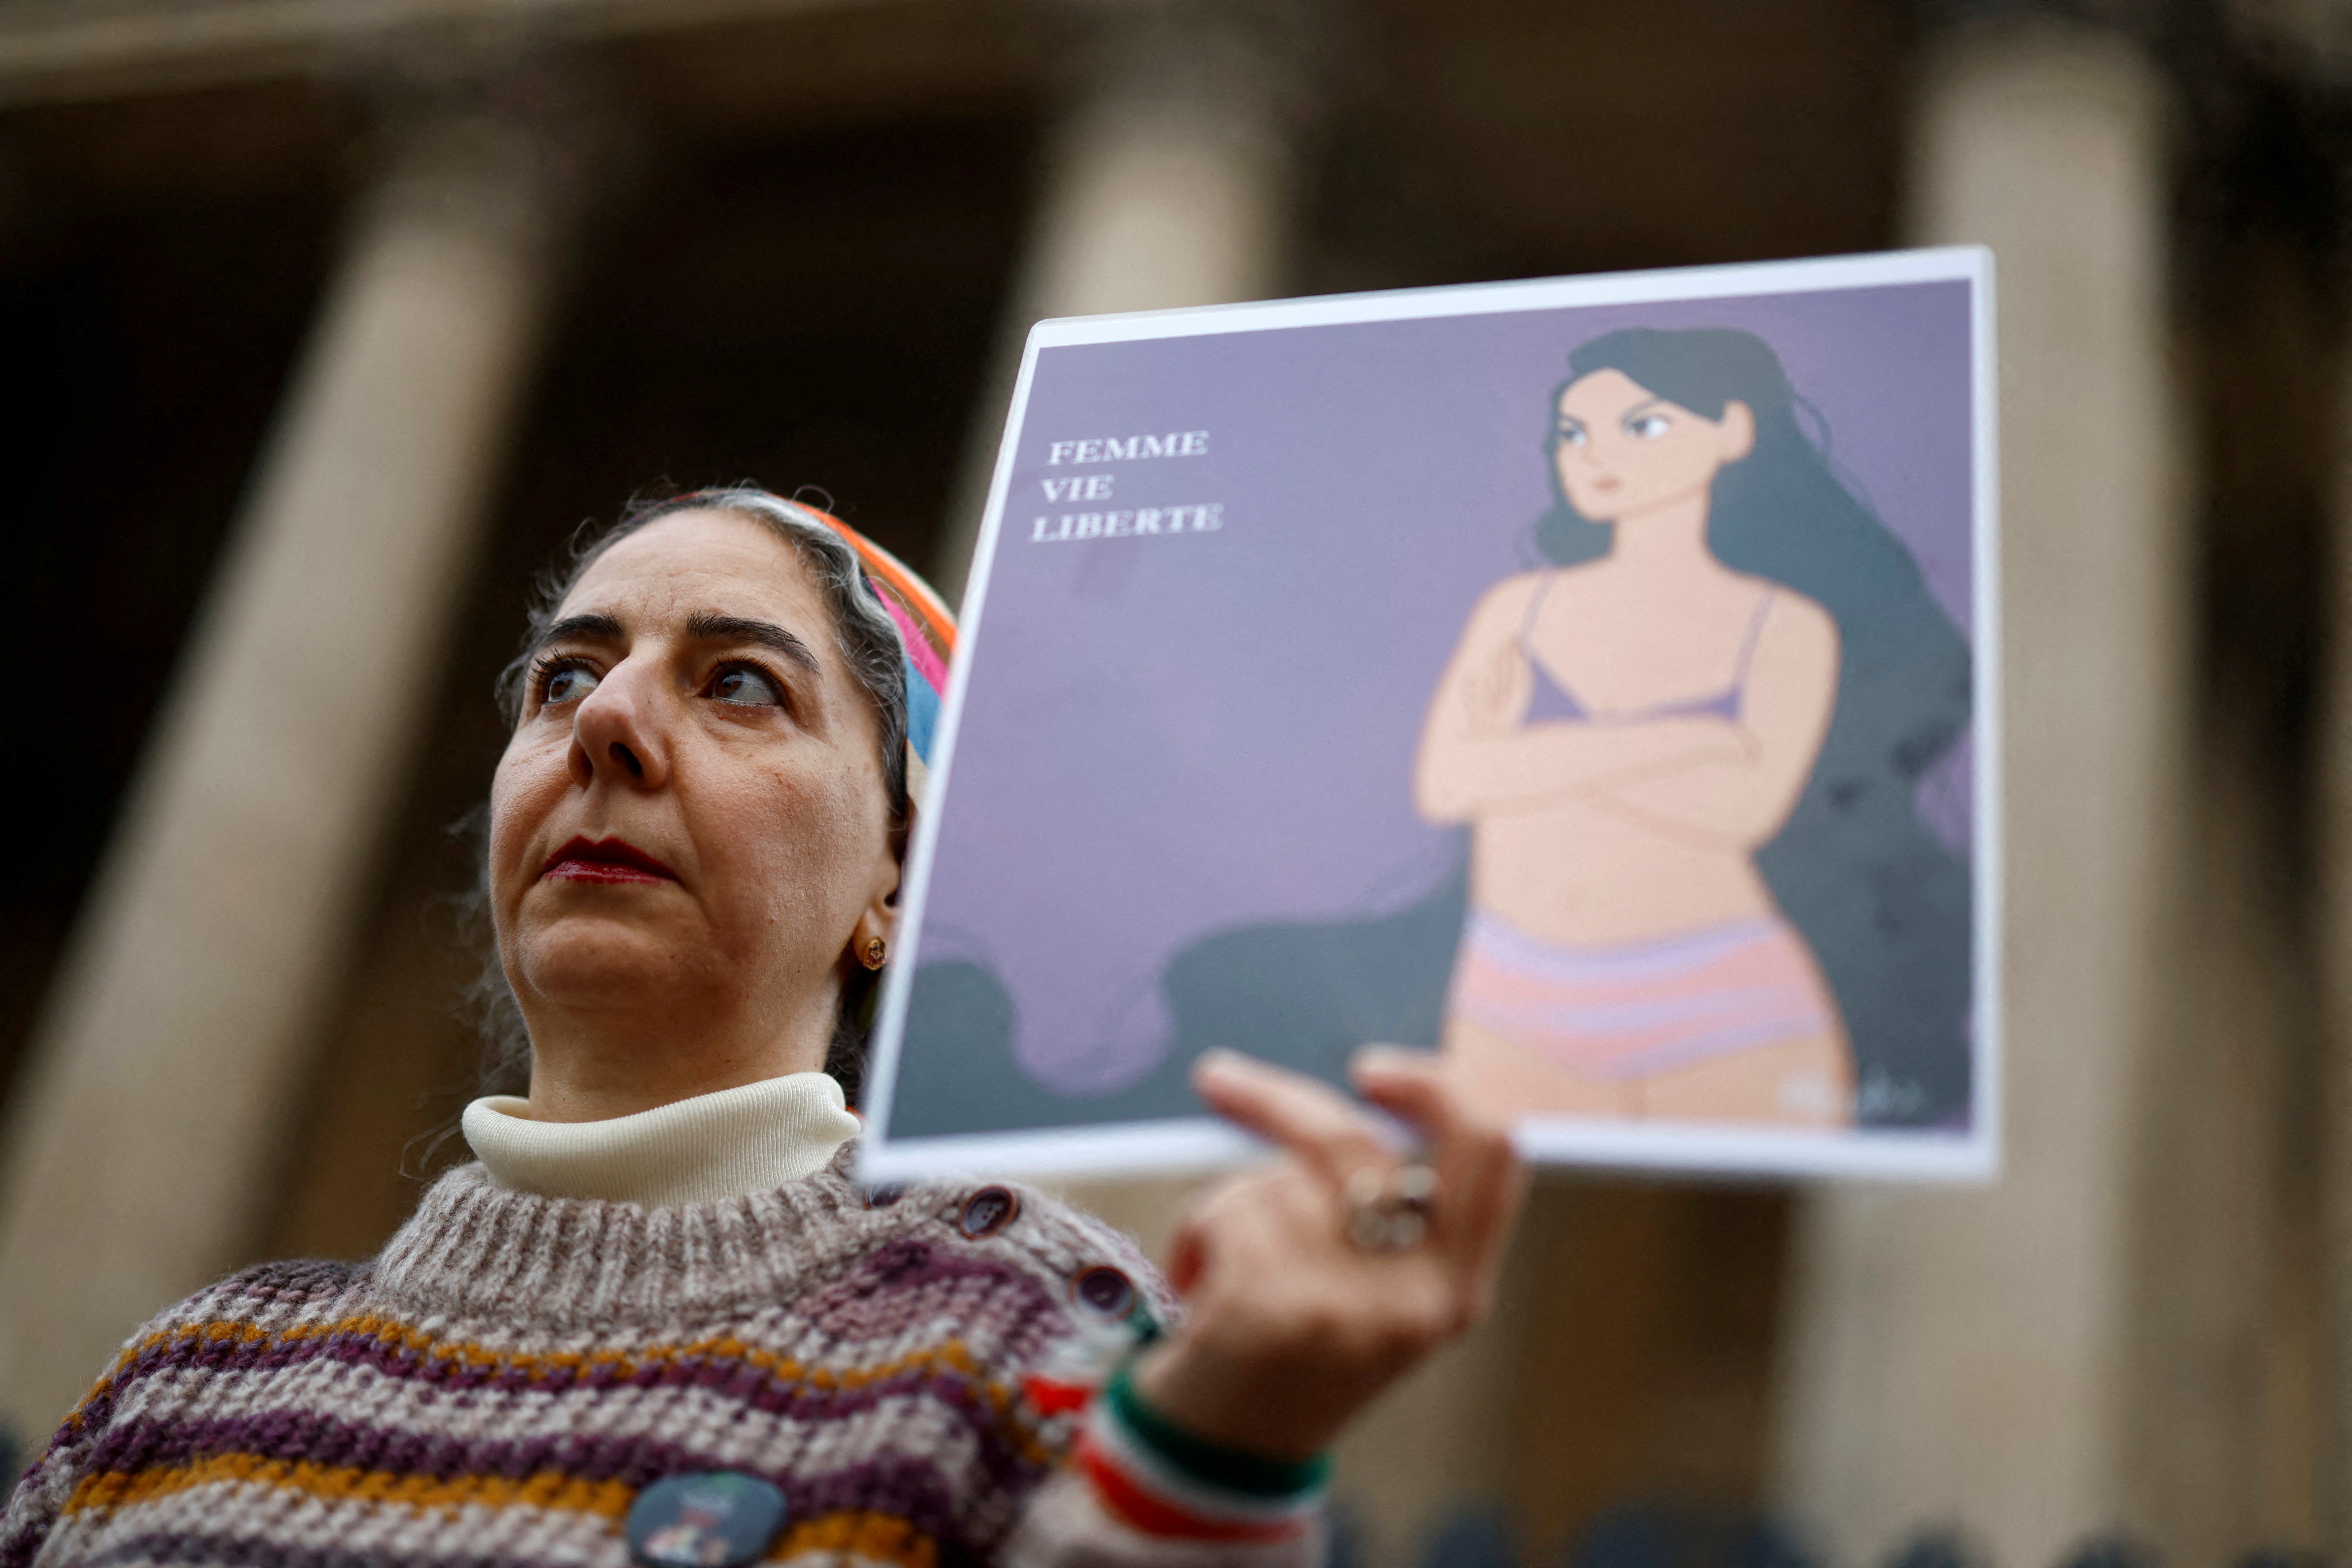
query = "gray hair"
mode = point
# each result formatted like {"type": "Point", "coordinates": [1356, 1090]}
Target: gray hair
{"type": "Point", "coordinates": [871, 651]}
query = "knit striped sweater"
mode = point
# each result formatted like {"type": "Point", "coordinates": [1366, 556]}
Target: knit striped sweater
{"type": "Point", "coordinates": [494, 1389]}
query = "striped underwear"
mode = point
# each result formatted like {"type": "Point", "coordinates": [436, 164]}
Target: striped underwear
{"type": "Point", "coordinates": [1629, 1009]}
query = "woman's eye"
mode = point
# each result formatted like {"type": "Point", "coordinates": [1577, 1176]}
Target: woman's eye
{"type": "Point", "coordinates": [567, 683]}
{"type": "Point", "coordinates": [1649, 427]}
{"type": "Point", "coordinates": [748, 686]}
{"type": "Point", "coordinates": [1571, 436]}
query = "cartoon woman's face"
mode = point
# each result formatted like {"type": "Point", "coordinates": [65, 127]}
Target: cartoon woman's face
{"type": "Point", "coordinates": [1622, 451]}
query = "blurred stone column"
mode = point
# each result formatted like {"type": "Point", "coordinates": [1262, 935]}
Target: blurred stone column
{"type": "Point", "coordinates": [2335, 944]}
{"type": "Point", "coordinates": [1960, 1356]}
{"type": "Point", "coordinates": [170, 1052]}
{"type": "Point", "coordinates": [1167, 182]}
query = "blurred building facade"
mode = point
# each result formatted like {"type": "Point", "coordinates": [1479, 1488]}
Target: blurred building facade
{"type": "Point", "coordinates": [334, 318]}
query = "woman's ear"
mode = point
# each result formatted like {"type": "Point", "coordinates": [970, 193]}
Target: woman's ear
{"type": "Point", "coordinates": [1738, 423]}
{"type": "Point", "coordinates": [881, 912]}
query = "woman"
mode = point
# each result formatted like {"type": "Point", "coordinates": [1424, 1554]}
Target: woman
{"type": "Point", "coordinates": [657, 1321]}
{"type": "Point", "coordinates": [1729, 657]}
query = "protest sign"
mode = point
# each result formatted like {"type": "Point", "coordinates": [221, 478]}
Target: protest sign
{"type": "Point", "coordinates": [1591, 679]}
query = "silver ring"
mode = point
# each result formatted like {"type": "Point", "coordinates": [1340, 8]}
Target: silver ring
{"type": "Point", "coordinates": [1388, 1210]}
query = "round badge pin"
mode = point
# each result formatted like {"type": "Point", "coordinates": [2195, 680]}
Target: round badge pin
{"type": "Point", "coordinates": [720, 1519]}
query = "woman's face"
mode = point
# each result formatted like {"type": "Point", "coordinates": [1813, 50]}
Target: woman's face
{"type": "Point", "coordinates": [690, 814]}
{"type": "Point", "coordinates": [1621, 451]}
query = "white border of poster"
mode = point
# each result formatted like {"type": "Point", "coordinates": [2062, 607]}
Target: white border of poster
{"type": "Point", "coordinates": [1143, 1147]}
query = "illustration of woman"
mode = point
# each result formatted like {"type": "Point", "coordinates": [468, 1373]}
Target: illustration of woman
{"type": "Point", "coordinates": [1689, 749]}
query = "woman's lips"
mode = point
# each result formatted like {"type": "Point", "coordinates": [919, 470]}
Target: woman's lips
{"type": "Point", "coordinates": [608, 860]}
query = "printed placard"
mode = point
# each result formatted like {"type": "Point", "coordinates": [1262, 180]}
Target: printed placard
{"type": "Point", "coordinates": [1591, 679]}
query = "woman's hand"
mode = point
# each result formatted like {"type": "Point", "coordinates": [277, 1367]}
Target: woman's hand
{"type": "Point", "coordinates": [1291, 1327]}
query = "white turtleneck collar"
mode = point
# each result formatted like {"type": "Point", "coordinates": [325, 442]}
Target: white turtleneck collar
{"type": "Point", "coordinates": [753, 1138]}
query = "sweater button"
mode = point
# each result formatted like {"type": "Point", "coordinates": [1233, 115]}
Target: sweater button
{"type": "Point", "coordinates": [986, 1212]}
{"type": "Point", "coordinates": [1104, 1291]}
{"type": "Point", "coordinates": [718, 1519]}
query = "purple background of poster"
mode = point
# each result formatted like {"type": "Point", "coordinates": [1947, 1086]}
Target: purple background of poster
{"type": "Point", "coordinates": [1167, 736]}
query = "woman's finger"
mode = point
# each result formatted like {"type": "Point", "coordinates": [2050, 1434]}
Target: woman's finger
{"type": "Point", "coordinates": [1268, 1233]}
{"type": "Point", "coordinates": [1481, 1179]}
{"type": "Point", "coordinates": [1301, 1114]}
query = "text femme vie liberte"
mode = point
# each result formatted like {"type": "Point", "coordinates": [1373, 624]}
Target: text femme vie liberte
{"type": "Point", "coordinates": [1197, 517]}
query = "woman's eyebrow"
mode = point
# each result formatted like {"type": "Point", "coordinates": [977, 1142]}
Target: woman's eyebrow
{"type": "Point", "coordinates": [581, 628]}
{"type": "Point", "coordinates": [704, 627]}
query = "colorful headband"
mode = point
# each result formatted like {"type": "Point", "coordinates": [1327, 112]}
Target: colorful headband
{"type": "Point", "coordinates": [927, 635]}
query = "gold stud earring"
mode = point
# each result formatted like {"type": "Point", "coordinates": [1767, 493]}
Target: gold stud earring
{"type": "Point", "coordinates": [877, 950]}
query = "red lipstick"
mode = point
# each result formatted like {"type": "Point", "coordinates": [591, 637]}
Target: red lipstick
{"type": "Point", "coordinates": [610, 860]}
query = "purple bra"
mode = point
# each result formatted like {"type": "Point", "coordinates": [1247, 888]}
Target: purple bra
{"type": "Point", "coordinates": [1554, 703]}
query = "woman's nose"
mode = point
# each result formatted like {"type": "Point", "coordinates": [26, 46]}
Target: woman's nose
{"type": "Point", "coordinates": [617, 732]}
